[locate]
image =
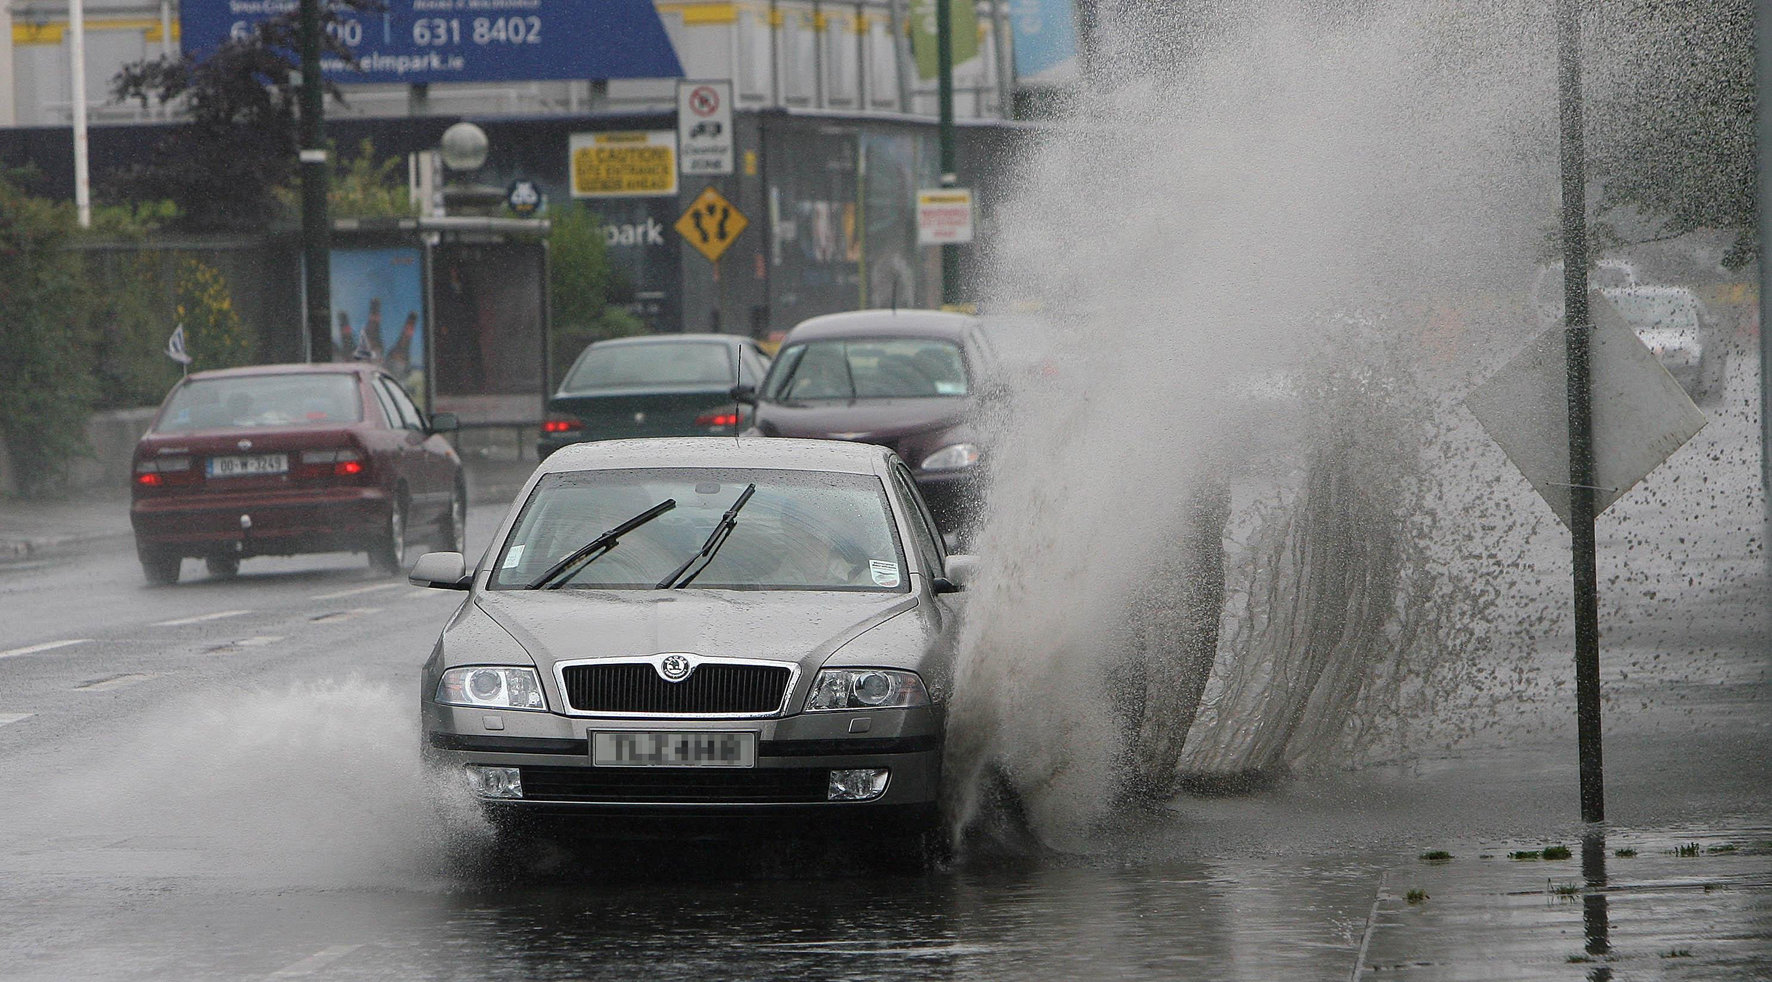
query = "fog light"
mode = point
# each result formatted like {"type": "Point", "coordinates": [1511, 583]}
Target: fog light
{"type": "Point", "coordinates": [498, 782]}
{"type": "Point", "coordinates": [864, 784]}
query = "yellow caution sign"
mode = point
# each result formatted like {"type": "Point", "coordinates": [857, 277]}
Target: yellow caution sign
{"type": "Point", "coordinates": [711, 224]}
{"type": "Point", "coordinates": [627, 164]}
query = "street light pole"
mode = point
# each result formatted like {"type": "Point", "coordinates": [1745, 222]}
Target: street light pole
{"type": "Point", "coordinates": [1578, 333]}
{"type": "Point", "coordinates": [315, 225]}
{"type": "Point", "coordinates": [944, 62]}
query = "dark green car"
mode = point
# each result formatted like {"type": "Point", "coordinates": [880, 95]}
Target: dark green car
{"type": "Point", "coordinates": [661, 385]}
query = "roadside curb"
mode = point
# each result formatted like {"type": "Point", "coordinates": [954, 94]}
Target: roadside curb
{"type": "Point", "coordinates": [22, 549]}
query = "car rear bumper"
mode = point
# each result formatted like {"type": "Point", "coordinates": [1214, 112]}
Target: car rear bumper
{"type": "Point", "coordinates": [261, 523]}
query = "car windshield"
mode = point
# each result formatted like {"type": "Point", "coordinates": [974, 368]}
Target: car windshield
{"type": "Point", "coordinates": [262, 400]}
{"type": "Point", "coordinates": [619, 365]}
{"type": "Point", "coordinates": [801, 530]}
{"type": "Point", "coordinates": [872, 368]}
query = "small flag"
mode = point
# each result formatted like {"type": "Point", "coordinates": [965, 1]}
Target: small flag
{"type": "Point", "coordinates": [175, 346]}
{"type": "Point", "coordinates": [363, 352]}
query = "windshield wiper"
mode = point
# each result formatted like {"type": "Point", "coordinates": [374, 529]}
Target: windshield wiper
{"type": "Point", "coordinates": [591, 551]}
{"type": "Point", "coordinates": [678, 579]}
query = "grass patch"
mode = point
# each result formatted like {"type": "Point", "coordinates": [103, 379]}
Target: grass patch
{"type": "Point", "coordinates": [1415, 896]}
{"type": "Point", "coordinates": [1565, 889]}
{"type": "Point", "coordinates": [1725, 847]}
{"type": "Point", "coordinates": [1556, 852]}
{"type": "Point", "coordinates": [1688, 850]}
{"type": "Point", "coordinates": [1436, 856]}
{"type": "Point", "coordinates": [1580, 959]}
{"type": "Point", "coordinates": [1625, 853]}
{"type": "Point", "coordinates": [1677, 953]}
{"type": "Point", "coordinates": [1486, 855]}
{"type": "Point", "coordinates": [1526, 854]}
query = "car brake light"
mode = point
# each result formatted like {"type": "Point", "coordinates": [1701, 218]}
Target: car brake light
{"type": "Point", "coordinates": [149, 480]}
{"type": "Point", "coordinates": [561, 425]}
{"type": "Point", "coordinates": [347, 468]}
{"type": "Point", "coordinates": [717, 419]}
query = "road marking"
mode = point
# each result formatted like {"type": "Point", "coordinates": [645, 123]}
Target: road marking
{"type": "Point", "coordinates": [46, 646]}
{"type": "Point", "coordinates": [113, 682]}
{"type": "Point", "coordinates": [257, 641]}
{"type": "Point", "coordinates": [6, 718]}
{"type": "Point", "coordinates": [316, 961]}
{"type": "Point", "coordinates": [200, 618]}
{"type": "Point", "coordinates": [344, 615]}
{"type": "Point", "coordinates": [337, 594]}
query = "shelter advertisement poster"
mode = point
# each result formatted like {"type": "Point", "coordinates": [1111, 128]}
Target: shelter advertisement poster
{"type": "Point", "coordinates": [378, 313]}
{"type": "Point", "coordinates": [419, 42]}
{"type": "Point", "coordinates": [489, 328]}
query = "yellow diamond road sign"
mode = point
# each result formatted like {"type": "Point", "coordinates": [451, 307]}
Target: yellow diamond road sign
{"type": "Point", "coordinates": [711, 224]}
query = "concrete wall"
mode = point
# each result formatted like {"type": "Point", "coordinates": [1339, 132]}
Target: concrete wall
{"type": "Point", "coordinates": [112, 437]}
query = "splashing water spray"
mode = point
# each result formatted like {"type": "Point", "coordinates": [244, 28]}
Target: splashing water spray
{"type": "Point", "coordinates": [1273, 248]}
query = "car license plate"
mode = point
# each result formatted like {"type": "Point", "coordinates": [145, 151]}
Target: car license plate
{"type": "Point", "coordinates": [694, 748]}
{"type": "Point", "coordinates": [267, 463]}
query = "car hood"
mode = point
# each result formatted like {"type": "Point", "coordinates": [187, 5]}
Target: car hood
{"type": "Point", "coordinates": [567, 625]}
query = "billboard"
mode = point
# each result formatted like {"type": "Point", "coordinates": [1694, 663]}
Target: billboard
{"type": "Point", "coordinates": [1045, 40]}
{"type": "Point", "coordinates": [420, 42]}
{"type": "Point", "coordinates": [378, 312]}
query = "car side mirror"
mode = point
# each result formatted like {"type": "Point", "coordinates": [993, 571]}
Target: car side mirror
{"type": "Point", "coordinates": [442, 570]}
{"type": "Point", "coordinates": [445, 423]}
{"type": "Point", "coordinates": [959, 572]}
{"type": "Point", "coordinates": [745, 393]}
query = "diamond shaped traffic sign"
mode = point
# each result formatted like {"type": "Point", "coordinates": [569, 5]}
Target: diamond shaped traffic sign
{"type": "Point", "coordinates": [711, 224]}
{"type": "Point", "coordinates": [1640, 414]}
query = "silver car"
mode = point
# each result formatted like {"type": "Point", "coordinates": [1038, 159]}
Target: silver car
{"type": "Point", "coordinates": [701, 626]}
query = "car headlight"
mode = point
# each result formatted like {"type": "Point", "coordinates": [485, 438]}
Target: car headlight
{"type": "Point", "coordinates": [490, 687]}
{"type": "Point", "coordinates": [865, 688]}
{"type": "Point", "coordinates": [953, 457]}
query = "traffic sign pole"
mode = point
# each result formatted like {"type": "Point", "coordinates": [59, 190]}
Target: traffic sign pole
{"type": "Point", "coordinates": [1579, 332]}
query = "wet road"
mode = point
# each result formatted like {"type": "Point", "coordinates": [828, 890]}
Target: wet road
{"type": "Point", "coordinates": [220, 781]}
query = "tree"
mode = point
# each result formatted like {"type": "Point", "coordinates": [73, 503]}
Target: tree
{"type": "Point", "coordinates": [1671, 96]}
{"type": "Point", "coordinates": [223, 168]}
{"type": "Point", "coordinates": [581, 287]}
{"type": "Point", "coordinates": [49, 392]}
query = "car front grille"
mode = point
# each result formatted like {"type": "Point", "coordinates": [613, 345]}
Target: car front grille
{"type": "Point", "coordinates": [712, 689]}
{"type": "Point", "coordinates": [677, 785]}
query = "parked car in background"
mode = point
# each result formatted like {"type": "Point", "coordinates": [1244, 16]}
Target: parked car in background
{"type": "Point", "coordinates": [276, 460]}
{"type": "Point", "coordinates": [1678, 328]}
{"type": "Point", "coordinates": [911, 380]}
{"type": "Point", "coordinates": [701, 628]}
{"type": "Point", "coordinates": [661, 385]}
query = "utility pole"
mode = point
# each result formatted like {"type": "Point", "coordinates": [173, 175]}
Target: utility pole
{"type": "Point", "coordinates": [1578, 333]}
{"type": "Point", "coordinates": [944, 61]}
{"type": "Point", "coordinates": [1763, 128]}
{"type": "Point", "coordinates": [315, 224]}
{"type": "Point", "coordinates": [77, 87]}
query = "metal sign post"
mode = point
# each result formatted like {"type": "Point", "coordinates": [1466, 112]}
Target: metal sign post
{"type": "Point", "coordinates": [1579, 329]}
{"type": "Point", "coordinates": [315, 225]}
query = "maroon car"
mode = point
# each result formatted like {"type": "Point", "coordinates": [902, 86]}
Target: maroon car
{"type": "Point", "coordinates": [276, 460]}
{"type": "Point", "coordinates": [912, 380]}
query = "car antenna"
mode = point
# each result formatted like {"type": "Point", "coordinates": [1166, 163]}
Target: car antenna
{"type": "Point", "coordinates": [895, 294]}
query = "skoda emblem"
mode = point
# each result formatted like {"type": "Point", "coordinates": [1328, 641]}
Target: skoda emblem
{"type": "Point", "coordinates": [674, 668]}
{"type": "Point", "coordinates": [639, 418]}
{"type": "Point", "coordinates": [245, 444]}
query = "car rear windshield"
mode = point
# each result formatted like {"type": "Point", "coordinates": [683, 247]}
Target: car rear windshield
{"type": "Point", "coordinates": [244, 401]}
{"type": "Point", "coordinates": [623, 365]}
{"type": "Point", "coordinates": [875, 368]}
{"type": "Point", "coordinates": [801, 530]}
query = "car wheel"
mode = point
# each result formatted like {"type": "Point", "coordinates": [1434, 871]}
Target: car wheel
{"type": "Point", "coordinates": [454, 535]}
{"type": "Point", "coordinates": [160, 567]}
{"type": "Point", "coordinates": [388, 553]}
{"type": "Point", "coordinates": [222, 567]}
